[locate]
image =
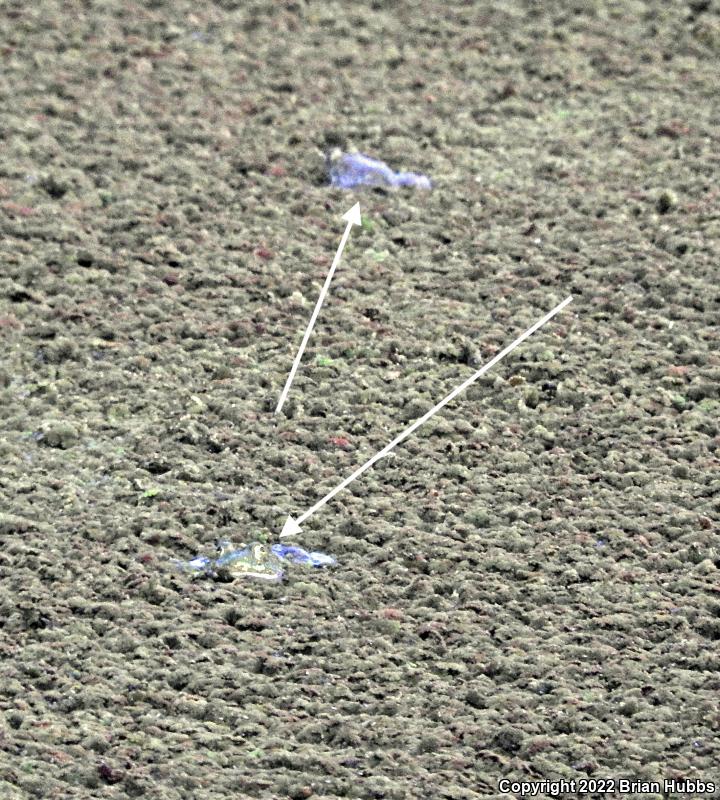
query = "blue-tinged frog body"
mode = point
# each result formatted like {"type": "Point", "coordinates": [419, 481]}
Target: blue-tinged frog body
{"type": "Point", "coordinates": [354, 170]}
{"type": "Point", "coordinates": [299, 556]}
{"type": "Point", "coordinates": [255, 560]}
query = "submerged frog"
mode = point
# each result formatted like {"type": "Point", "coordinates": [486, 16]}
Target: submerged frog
{"type": "Point", "coordinates": [255, 560]}
{"type": "Point", "coordinates": [353, 170]}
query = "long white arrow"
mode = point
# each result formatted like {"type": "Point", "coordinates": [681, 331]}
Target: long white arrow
{"type": "Point", "coordinates": [353, 218]}
{"type": "Point", "coordinates": [292, 525]}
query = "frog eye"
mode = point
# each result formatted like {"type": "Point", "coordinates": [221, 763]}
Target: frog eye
{"type": "Point", "coordinates": [259, 551]}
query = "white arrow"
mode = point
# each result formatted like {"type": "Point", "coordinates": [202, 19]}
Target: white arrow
{"type": "Point", "coordinates": [353, 218]}
{"type": "Point", "coordinates": [292, 525]}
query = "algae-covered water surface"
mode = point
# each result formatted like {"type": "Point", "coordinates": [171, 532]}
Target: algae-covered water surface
{"type": "Point", "coordinates": [526, 589]}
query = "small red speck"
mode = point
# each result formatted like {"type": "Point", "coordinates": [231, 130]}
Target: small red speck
{"type": "Point", "coordinates": [108, 774]}
{"type": "Point", "coordinates": [673, 129]}
{"type": "Point", "coordinates": [277, 171]}
{"type": "Point", "coordinates": [264, 253]}
{"type": "Point", "coordinates": [16, 208]}
{"type": "Point", "coordinates": [146, 558]}
{"type": "Point", "coordinates": [339, 441]}
{"type": "Point", "coordinates": [59, 757]}
{"type": "Point", "coordinates": [678, 372]}
{"type": "Point", "coordinates": [392, 613]}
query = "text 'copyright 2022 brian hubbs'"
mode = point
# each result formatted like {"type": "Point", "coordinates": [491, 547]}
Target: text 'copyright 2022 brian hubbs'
{"type": "Point", "coordinates": [616, 786]}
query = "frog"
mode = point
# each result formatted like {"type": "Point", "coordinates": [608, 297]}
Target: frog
{"type": "Point", "coordinates": [353, 170]}
{"type": "Point", "coordinates": [255, 560]}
